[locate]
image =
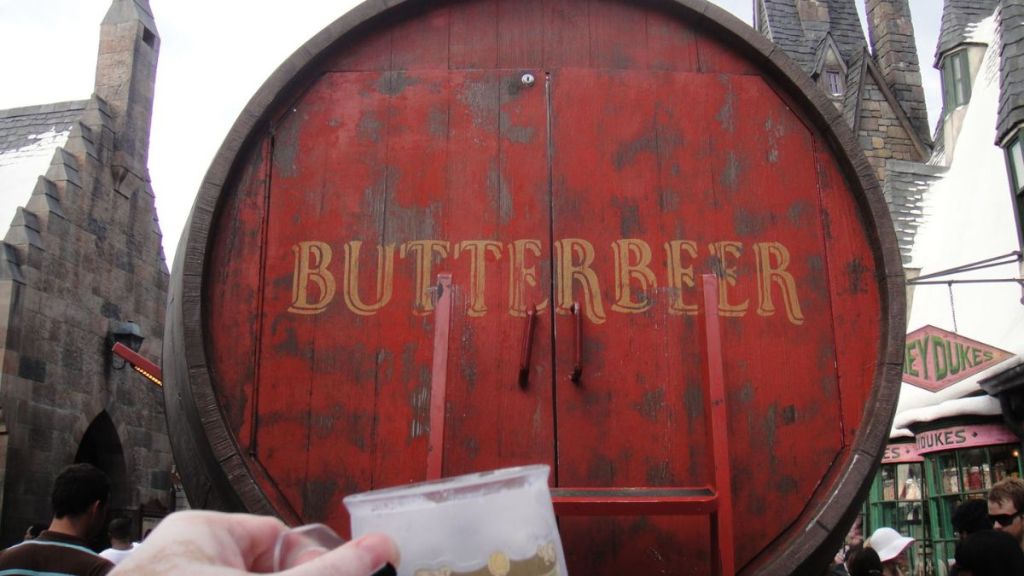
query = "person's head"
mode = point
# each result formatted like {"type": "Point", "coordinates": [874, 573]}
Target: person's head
{"type": "Point", "coordinates": [34, 530]}
{"type": "Point", "coordinates": [971, 517]}
{"type": "Point", "coordinates": [864, 562]}
{"type": "Point", "coordinates": [889, 545]}
{"type": "Point", "coordinates": [80, 495]}
{"type": "Point", "coordinates": [120, 530]}
{"type": "Point", "coordinates": [990, 553]}
{"type": "Point", "coordinates": [1005, 505]}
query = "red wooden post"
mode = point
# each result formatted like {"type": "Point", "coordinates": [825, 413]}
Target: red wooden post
{"type": "Point", "coordinates": [721, 522]}
{"type": "Point", "coordinates": [439, 376]}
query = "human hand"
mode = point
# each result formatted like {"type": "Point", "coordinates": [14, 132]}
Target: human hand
{"type": "Point", "coordinates": [199, 543]}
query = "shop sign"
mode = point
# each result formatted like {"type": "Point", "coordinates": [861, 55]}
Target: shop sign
{"type": "Point", "coordinates": [959, 437]}
{"type": "Point", "coordinates": [936, 359]}
{"type": "Point", "coordinates": [900, 453]}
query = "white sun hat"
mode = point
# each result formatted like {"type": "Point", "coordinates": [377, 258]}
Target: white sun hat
{"type": "Point", "coordinates": [888, 543]}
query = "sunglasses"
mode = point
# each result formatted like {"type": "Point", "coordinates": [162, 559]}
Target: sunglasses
{"type": "Point", "coordinates": [1003, 519]}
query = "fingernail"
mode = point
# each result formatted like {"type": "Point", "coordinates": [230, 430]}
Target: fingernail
{"type": "Point", "coordinates": [385, 570]}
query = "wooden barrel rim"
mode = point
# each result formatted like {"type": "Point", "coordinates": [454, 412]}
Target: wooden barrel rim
{"type": "Point", "coordinates": [217, 476]}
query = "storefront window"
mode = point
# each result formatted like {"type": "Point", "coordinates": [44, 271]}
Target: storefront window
{"type": "Point", "coordinates": [897, 501]}
{"type": "Point", "coordinates": [955, 476]}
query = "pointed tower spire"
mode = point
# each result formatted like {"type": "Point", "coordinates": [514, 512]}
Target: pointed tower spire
{"type": "Point", "coordinates": [126, 78]}
{"type": "Point", "coordinates": [892, 39]}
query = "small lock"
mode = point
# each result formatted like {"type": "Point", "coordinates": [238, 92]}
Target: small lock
{"type": "Point", "coordinates": [528, 79]}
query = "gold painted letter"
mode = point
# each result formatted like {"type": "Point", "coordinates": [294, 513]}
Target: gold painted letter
{"type": "Point", "coordinates": [721, 251]}
{"type": "Point", "coordinates": [567, 252]}
{"type": "Point", "coordinates": [632, 262]}
{"type": "Point", "coordinates": [424, 250]}
{"type": "Point", "coordinates": [478, 250]}
{"type": "Point", "coordinates": [385, 278]}
{"type": "Point", "coordinates": [680, 277]}
{"type": "Point", "coordinates": [767, 273]}
{"type": "Point", "coordinates": [311, 260]}
{"type": "Point", "coordinates": [521, 276]}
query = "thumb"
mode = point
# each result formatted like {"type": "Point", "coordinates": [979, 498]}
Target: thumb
{"type": "Point", "coordinates": [359, 557]}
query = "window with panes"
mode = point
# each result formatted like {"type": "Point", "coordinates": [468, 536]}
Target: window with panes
{"type": "Point", "coordinates": [956, 79]}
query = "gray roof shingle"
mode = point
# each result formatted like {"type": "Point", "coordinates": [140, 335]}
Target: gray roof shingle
{"type": "Point", "coordinates": [19, 126]}
{"type": "Point", "coordinates": [906, 185]}
{"type": "Point", "coordinates": [1011, 68]}
{"type": "Point", "coordinates": [957, 18]}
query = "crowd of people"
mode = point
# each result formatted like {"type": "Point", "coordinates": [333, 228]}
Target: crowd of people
{"type": "Point", "coordinates": [990, 542]}
{"type": "Point", "coordinates": [990, 532]}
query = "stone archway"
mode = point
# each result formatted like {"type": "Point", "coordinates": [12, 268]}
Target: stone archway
{"type": "Point", "coordinates": [101, 447]}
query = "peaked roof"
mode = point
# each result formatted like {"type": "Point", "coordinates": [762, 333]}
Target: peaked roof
{"type": "Point", "coordinates": [846, 28]}
{"type": "Point", "coordinates": [787, 31]}
{"type": "Point", "coordinates": [29, 138]}
{"type": "Point", "coordinates": [958, 19]}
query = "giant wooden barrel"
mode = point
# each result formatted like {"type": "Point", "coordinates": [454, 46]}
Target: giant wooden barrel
{"type": "Point", "coordinates": [543, 153]}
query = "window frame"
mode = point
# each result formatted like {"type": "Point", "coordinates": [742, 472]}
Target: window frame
{"type": "Point", "coordinates": [837, 88]}
{"type": "Point", "coordinates": [1014, 151]}
{"type": "Point", "coordinates": [956, 79]}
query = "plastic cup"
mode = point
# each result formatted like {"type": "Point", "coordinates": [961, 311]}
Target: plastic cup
{"type": "Point", "coordinates": [498, 523]}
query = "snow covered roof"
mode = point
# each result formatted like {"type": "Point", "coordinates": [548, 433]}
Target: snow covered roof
{"type": "Point", "coordinates": [29, 137]}
{"type": "Point", "coordinates": [958, 16]}
{"type": "Point", "coordinates": [966, 215]}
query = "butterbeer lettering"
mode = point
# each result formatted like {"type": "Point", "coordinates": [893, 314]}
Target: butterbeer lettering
{"type": "Point", "coordinates": [680, 277]}
{"type": "Point", "coordinates": [772, 261]}
{"type": "Point", "coordinates": [632, 275]}
{"type": "Point", "coordinates": [632, 260]}
{"type": "Point", "coordinates": [725, 252]}
{"type": "Point", "coordinates": [575, 257]}
{"type": "Point", "coordinates": [424, 251]}
{"type": "Point", "coordinates": [385, 278]}
{"type": "Point", "coordinates": [312, 284]}
{"type": "Point", "coordinates": [478, 250]}
{"type": "Point", "coordinates": [521, 276]}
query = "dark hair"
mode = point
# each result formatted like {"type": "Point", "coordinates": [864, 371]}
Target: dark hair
{"type": "Point", "coordinates": [971, 517]}
{"type": "Point", "coordinates": [34, 530]}
{"type": "Point", "coordinates": [120, 529]}
{"type": "Point", "coordinates": [76, 488]}
{"type": "Point", "coordinates": [990, 553]}
{"type": "Point", "coordinates": [864, 562]}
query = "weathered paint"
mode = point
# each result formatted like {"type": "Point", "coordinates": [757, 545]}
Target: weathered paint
{"type": "Point", "coordinates": [958, 437]}
{"type": "Point", "coordinates": [936, 359]}
{"type": "Point", "coordinates": [646, 153]}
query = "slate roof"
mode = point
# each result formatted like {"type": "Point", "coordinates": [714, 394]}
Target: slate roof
{"type": "Point", "coordinates": [906, 185]}
{"type": "Point", "coordinates": [1011, 68]}
{"type": "Point", "coordinates": [29, 137]}
{"type": "Point", "coordinates": [958, 17]}
{"type": "Point", "coordinates": [787, 32]}
{"type": "Point", "coordinates": [846, 28]}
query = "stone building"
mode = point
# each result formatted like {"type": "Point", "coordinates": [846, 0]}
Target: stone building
{"type": "Point", "coordinates": [81, 266]}
{"type": "Point", "coordinates": [957, 207]}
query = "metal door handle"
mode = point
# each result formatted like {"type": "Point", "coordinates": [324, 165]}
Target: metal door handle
{"type": "Point", "coordinates": [526, 352]}
{"type": "Point", "coordinates": [577, 368]}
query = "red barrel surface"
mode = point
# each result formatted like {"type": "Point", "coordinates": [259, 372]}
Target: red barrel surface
{"type": "Point", "coordinates": [548, 155]}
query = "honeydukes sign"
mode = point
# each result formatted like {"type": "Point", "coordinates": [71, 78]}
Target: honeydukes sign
{"type": "Point", "coordinates": [936, 359]}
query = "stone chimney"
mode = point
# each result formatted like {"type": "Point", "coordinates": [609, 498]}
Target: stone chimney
{"type": "Point", "coordinates": [126, 80]}
{"type": "Point", "coordinates": [891, 32]}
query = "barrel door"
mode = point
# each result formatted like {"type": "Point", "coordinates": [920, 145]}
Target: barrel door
{"type": "Point", "coordinates": [575, 166]}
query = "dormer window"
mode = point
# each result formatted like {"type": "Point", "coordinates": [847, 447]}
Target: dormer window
{"type": "Point", "coordinates": [956, 80]}
{"type": "Point", "coordinates": [834, 82]}
{"type": "Point", "coordinates": [1015, 162]}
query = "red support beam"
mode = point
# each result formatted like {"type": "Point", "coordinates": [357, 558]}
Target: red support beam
{"type": "Point", "coordinates": [139, 363]}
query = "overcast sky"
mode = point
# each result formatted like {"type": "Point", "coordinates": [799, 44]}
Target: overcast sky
{"type": "Point", "coordinates": [214, 55]}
